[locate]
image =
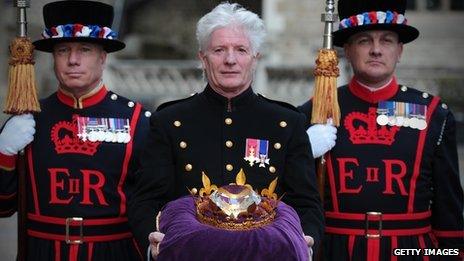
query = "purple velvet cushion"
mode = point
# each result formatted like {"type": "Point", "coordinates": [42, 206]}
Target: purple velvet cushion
{"type": "Point", "coordinates": [188, 239]}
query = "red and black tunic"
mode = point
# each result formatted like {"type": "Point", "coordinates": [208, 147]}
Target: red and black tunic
{"type": "Point", "coordinates": [391, 187]}
{"type": "Point", "coordinates": [77, 191]}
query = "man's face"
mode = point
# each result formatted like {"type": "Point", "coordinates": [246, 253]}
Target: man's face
{"type": "Point", "coordinates": [373, 56]}
{"type": "Point", "coordinates": [78, 66]}
{"type": "Point", "coordinates": [228, 61]}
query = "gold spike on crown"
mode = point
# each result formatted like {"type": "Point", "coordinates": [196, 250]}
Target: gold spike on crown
{"type": "Point", "coordinates": [235, 206]}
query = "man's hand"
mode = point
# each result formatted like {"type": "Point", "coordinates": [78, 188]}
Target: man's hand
{"type": "Point", "coordinates": [155, 239]}
{"type": "Point", "coordinates": [17, 133]}
{"type": "Point", "coordinates": [309, 240]}
{"type": "Point", "coordinates": [322, 138]}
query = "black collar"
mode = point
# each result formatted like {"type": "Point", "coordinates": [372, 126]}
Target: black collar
{"type": "Point", "coordinates": [236, 102]}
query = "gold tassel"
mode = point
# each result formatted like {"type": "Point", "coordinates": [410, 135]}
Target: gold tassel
{"type": "Point", "coordinates": [22, 88]}
{"type": "Point", "coordinates": [325, 100]}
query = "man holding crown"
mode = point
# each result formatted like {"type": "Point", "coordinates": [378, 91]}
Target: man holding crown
{"type": "Point", "coordinates": [82, 148]}
{"type": "Point", "coordinates": [392, 178]}
{"type": "Point", "coordinates": [226, 128]}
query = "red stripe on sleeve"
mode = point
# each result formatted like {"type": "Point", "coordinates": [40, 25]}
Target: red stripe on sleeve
{"type": "Point", "coordinates": [33, 184]}
{"type": "Point", "coordinates": [127, 157]}
{"type": "Point", "coordinates": [333, 189]}
{"type": "Point", "coordinates": [419, 151]}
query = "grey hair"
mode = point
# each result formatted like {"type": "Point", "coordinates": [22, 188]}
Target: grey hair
{"type": "Point", "coordinates": [227, 14]}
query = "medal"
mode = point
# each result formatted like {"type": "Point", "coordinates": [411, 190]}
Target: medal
{"type": "Point", "coordinates": [120, 137]}
{"type": "Point", "coordinates": [256, 151]}
{"type": "Point", "coordinates": [109, 136]}
{"type": "Point", "coordinates": [115, 138]}
{"type": "Point", "coordinates": [93, 136]}
{"type": "Point", "coordinates": [126, 129]}
{"type": "Point", "coordinates": [263, 153]}
{"type": "Point", "coordinates": [250, 151]}
{"type": "Point", "coordinates": [82, 128]}
{"type": "Point", "coordinates": [127, 137]}
{"type": "Point", "coordinates": [399, 113]}
{"type": "Point", "coordinates": [418, 113]}
{"type": "Point", "coordinates": [100, 135]}
{"type": "Point", "coordinates": [421, 124]}
{"type": "Point", "coordinates": [110, 132]}
{"type": "Point", "coordinates": [413, 123]}
{"type": "Point", "coordinates": [384, 111]}
{"type": "Point", "coordinates": [104, 129]}
{"type": "Point", "coordinates": [382, 120]}
{"type": "Point", "coordinates": [406, 122]}
{"type": "Point", "coordinates": [402, 114]}
{"type": "Point", "coordinates": [391, 120]}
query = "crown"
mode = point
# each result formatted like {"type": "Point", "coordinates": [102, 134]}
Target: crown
{"type": "Point", "coordinates": [366, 131]}
{"type": "Point", "coordinates": [235, 206]}
{"type": "Point", "coordinates": [64, 136]}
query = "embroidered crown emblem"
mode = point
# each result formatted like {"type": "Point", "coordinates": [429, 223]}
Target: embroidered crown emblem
{"type": "Point", "coordinates": [64, 136]}
{"type": "Point", "coordinates": [363, 129]}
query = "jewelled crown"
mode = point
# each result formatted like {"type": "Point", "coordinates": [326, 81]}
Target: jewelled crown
{"type": "Point", "coordinates": [235, 206]}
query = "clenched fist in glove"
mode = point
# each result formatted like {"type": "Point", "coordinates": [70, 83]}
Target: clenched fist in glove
{"type": "Point", "coordinates": [322, 138]}
{"type": "Point", "coordinates": [155, 239]}
{"type": "Point", "coordinates": [17, 133]}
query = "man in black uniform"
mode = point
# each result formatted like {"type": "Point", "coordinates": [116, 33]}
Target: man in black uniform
{"type": "Point", "coordinates": [86, 146]}
{"type": "Point", "coordinates": [392, 179]}
{"type": "Point", "coordinates": [226, 128]}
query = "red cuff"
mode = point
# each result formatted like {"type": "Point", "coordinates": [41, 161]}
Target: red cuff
{"type": "Point", "coordinates": [7, 162]}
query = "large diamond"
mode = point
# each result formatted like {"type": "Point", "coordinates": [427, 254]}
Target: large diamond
{"type": "Point", "coordinates": [235, 199]}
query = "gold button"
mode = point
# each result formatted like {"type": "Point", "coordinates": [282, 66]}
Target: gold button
{"type": "Point", "coordinates": [177, 123]}
{"type": "Point", "coordinates": [183, 144]}
{"type": "Point", "coordinates": [229, 167]}
{"type": "Point", "coordinates": [229, 144]}
{"type": "Point", "coordinates": [194, 191]}
{"type": "Point", "coordinates": [272, 169]}
{"type": "Point", "coordinates": [188, 167]}
{"type": "Point", "coordinates": [277, 146]}
{"type": "Point", "coordinates": [228, 121]}
{"type": "Point", "coordinates": [283, 124]}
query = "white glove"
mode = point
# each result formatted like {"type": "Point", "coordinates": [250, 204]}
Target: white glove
{"type": "Point", "coordinates": [310, 241]}
{"type": "Point", "coordinates": [322, 138]}
{"type": "Point", "coordinates": [17, 133]}
{"type": "Point", "coordinates": [155, 239]}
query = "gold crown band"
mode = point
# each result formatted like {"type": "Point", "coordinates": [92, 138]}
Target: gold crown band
{"type": "Point", "coordinates": [231, 225]}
